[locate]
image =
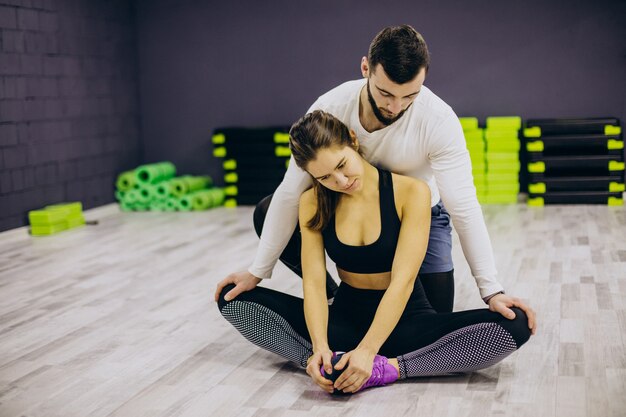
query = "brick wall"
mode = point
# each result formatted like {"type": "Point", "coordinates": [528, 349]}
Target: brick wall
{"type": "Point", "coordinates": [68, 103]}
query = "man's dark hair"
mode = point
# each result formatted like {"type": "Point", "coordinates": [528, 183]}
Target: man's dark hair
{"type": "Point", "coordinates": [402, 52]}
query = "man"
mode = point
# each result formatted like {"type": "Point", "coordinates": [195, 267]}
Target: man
{"type": "Point", "coordinates": [405, 128]}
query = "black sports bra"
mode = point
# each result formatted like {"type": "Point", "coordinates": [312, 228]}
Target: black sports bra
{"type": "Point", "coordinates": [377, 256]}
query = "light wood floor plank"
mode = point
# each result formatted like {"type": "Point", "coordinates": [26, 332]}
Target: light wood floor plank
{"type": "Point", "coordinates": [118, 320]}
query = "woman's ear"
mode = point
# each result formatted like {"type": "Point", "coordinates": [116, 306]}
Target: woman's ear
{"type": "Point", "coordinates": [355, 141]}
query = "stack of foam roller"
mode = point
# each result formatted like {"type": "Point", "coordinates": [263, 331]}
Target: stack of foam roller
{"type": "Point", "coordinates": [254, 161]}
{"type": "Point", "coordinates": [502, 156]}
{"type": "Point", "coordinates": [476, 147]}
{"type": "Point", "coordinates": [155, 187]}
{"type": "Point", "coordinates": [56, 218]}
{"type": "Point", "coordinates": [575, 161]}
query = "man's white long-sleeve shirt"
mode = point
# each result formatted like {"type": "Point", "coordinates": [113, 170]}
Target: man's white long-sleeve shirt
{"type": "Point", "coordinates": [427, 143]}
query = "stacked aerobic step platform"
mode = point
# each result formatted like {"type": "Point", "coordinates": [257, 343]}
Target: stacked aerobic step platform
{"type": "Point", "coordinates": [56, 218]}
{"type": "Point", "coordinates": [494, 152]}
{"type": "Point", "coordinates": [254, 161]}
{"type": "Point", "coordinates": [502, 156]}
{"type": "Point", "coordinates": [155, 187]}
{"type": "Point", "coordinates": [475, 140]}
{"type": "Point", "coordinates": [575, 161]}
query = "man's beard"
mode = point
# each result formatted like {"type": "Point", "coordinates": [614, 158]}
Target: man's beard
{"type": "Point", "coordinates": [381, 118]}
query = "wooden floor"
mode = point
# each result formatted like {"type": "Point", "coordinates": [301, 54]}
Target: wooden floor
{"type": "Point", "coordinates": [118, 319]}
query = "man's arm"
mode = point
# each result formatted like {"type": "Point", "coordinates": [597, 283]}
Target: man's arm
{"type": "Point", "coordinates": [452, 168]}
{"type": "Point", "coordinates": [278, 227]}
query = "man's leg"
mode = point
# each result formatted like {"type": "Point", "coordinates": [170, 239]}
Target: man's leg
{"type": "Point", "coordinates": [437, 271]}
{"type": "Point", "coordinates": [439, 289]}
{"type": "Point", "coordinates": [291, 254]}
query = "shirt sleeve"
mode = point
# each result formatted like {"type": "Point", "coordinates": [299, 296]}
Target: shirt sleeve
{"type": "Point", "coordinates": [280, 221]}
{"type": "Point", "coordinates": [452, 168]}
{"type": "Point", "coordinates": [282, 216]}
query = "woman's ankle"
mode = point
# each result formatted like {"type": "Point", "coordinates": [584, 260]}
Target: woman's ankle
{"type": "Point", "coordinates": [394, 362]}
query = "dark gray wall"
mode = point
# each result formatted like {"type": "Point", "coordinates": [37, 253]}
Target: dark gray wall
{"type": "Point", "coordinates": [208, 64]}
{"type": "Point", "coordinates": [68, 103]}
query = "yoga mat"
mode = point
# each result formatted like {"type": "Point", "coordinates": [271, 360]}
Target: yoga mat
{"type": "Point", "coordinates": [153, 173]}
{"type": "Point", "coordinates": [187, 184]}
{"type": "Point", "coordinates": [126, 180]}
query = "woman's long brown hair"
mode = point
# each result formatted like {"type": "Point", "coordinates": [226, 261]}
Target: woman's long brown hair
{"type": "Point", "coordinates": [314, 131]}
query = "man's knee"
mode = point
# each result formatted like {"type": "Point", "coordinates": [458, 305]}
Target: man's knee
{"type": "Point", "coordinates": [259, 213]}
{"type": "Point", "coordinates": [221, 301]}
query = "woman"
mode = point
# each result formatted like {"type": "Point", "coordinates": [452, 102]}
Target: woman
{"type": "Point", "coordinates": [372, 223]}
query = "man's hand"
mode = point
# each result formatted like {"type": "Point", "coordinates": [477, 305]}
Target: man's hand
{"type": "Point", "coordinates": [243, 280]}
{"type": "Point", "coordinates": [501, 303]}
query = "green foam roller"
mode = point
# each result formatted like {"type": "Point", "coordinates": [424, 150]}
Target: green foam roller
{"type": "Point", "coordinates": [119, 195]}
{"type": "Point", "coordinates": [172, 204]}
{"type": "Point", "coordinates": [201, 200]}
{"type": "Point", "coordinates": [153, 173]}
{"type": "Point", "coordinates": [185, 203]}
{"type": "Point", "coordinates": [187, 184]}
{"type": "Point", "coordinates": [126, 181]}
{"type": "Point", "coordinates": [163, 189]}
{"type": "Point", "coordinates": [504, 123]}
{"type": "Point", "coordinates": [145, 194]}
{"type": "Point", "coordinates": [218, 196]}
{"type": "Point", "coordinates": [132, 196]}
{"type": "Point", "coordinates": [126, 206]}
{"type": "Point", "coordinates": [141, 207]}
{"type": "Point", "coordinates": [469, 123]}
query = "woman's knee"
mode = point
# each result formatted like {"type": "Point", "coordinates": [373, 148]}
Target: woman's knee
{"type": "Point", "coordinates": [221, 301]}
{"type": "Point", "coordinates": [259, 213]}
{"type": "Point", "coordinates": [518, 327]}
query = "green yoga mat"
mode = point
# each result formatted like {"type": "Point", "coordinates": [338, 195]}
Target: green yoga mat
{"type": "Point", "coordinates": [153, 173]}
{"type": "Point", "coordinates": [126, 181]}
{"type": "Point", "coordinates": [187, 184]}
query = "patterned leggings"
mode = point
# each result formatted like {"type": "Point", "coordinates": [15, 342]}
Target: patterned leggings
{"type": "Point", "coordinates": [424, 342]}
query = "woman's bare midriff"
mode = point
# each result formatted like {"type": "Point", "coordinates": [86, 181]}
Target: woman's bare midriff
{"type": "Point", "coordinates": [378, 281]}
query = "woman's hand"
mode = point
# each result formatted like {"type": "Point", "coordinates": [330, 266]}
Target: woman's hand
{"type": "Point", "coordinates": [360, 362]}
{"type": "Point", "coordinates": [314, 363]}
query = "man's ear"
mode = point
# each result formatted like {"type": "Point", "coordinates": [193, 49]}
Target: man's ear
{"type": "Point", "coordinates": [365, 67]}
